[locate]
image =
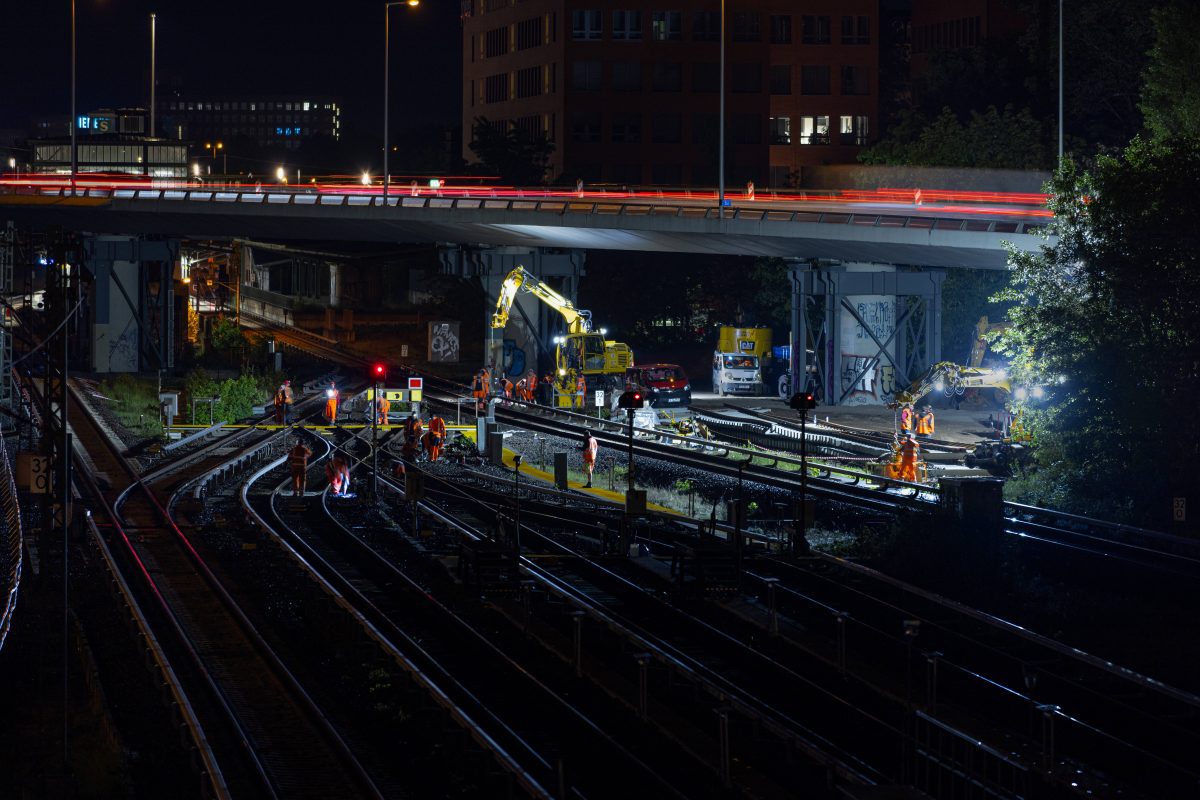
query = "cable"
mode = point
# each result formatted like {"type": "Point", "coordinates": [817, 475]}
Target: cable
{"type": "Point", "coordinates": [50, 335]}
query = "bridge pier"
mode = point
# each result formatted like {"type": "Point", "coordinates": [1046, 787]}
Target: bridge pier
{"type": "Point", "coordinates": [138, 308]}
{"type": "Point", "coordinates": [527, 342]}
{"type": "Point", "coordinates": [872, 329]}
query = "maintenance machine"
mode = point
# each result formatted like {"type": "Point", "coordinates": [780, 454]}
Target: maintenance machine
{"type": "Point", "coordinates": [581, 350]}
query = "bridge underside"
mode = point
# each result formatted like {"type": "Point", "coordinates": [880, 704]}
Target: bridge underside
{"type": "Point", "coordinates": [930, 239]}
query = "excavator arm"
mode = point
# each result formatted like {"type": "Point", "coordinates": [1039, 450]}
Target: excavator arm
{"type": "Point", "coordinates": [578, 320]}
{"type": "Point", "coordinates": [947, 375]}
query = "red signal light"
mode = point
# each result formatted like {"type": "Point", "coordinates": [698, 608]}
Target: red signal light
{"type": "Point", "coordinates": [379, 372]}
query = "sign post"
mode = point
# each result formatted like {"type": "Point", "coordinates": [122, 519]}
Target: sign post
{"type": "Point", "coordinates": [599, 402]}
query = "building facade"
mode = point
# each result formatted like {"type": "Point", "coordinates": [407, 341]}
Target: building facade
{"type": "Point", "coordinates": [111, 141]}
{"type": "Point", "coordinates": [273, 122]}
{"type": "Point", "coordinates": [958, 25]}
{"type": "Point", "coordinates": [628, 90]}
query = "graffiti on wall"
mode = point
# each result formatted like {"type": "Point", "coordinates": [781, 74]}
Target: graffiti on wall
{"type": "Point", "coordinates": [860, 351]}
{"type": "Point", "coordinates": [443, 342]}
{"type": "Point", "coordinates": [514, 358]}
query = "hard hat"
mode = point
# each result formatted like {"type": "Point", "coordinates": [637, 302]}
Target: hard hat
{"type": "Point", "coordinates": [287, 383]}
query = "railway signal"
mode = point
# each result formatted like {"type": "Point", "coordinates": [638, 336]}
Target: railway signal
{"type": "Point", "coordinates": [631, 400]}
{"type": "Point", "coordinates": [379, 373]}
{"type": "Point", "coordinates": [802, 402]}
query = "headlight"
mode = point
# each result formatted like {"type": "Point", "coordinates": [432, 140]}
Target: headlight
{"type": "Point", "coordinates": [939, 386]}
{"type": "Point", "coordinates": [687, 387]}
{"type": "Point", "coordinates": [329, 392]}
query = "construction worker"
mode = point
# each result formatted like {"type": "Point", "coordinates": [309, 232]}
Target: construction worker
{"type": "Point", "coordinates": [531, 382]}
{"type": "Point", "coordinates": [298, 463]}
{"type": "Point", "coordinates": [906, 419]}
{"type": "Point", "coordinates": [909, 452]}
{"type": "Point", "coordinates": [479, 389]}
{"type": "Point", "coordinates": [580, 389]}
{"type": "Point", "coordinates": [546, 387]}
{"type": "Point", "coordinates": [412, 436]}
{"type": "Point", "coordinates": [279, 406]}
{"type": "Point", "coordinates": [590, 448]}
{"type": "Point", "coordinates": [382, 407]}
{"type": "Point", "coordinates": [520, 388]}
{"type": "Point", "coordinates": [435, 437]}
{"type": "Point", "coordinates": [331, 403]}
{"type": "Point", "coordinates": [508, 388]}
{"type": "Point", "coordinates": [925, 423]}
{"type": "Point", "coordinates": [338, 474]}
{"type": "Point", "coordinates": [289, 398]}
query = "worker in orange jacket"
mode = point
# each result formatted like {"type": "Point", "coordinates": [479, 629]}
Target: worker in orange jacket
{"type": "Point", "coordinates": [435, 437]}
{"type": "Point", "coordinates": [909, 452]}
{"type": "Point", "coordinates": [906, 419]}
{"type": "Point", "coordinates": [383, 407]}
{"type": "Point", "coordinates": [531, 382]}
{"type": "Point", "coordinates": [591, 448]}
{"type": "Point", "coordinates": [925, 423]}
{"type": "Point", "coordinates": [331, 403]}
{"type": "Point", "coordinates": [580, 390]}
{"type": "Point", "coordinates": [479, 388]}
{"type": "Point", "coordinates": [508, 387]}
{"type": "Point", "coordinates": [412, 436]}
{"type": "Point", "coordinates": [337, 471]}
{"type": "Point", "coordinates": [298, 465]}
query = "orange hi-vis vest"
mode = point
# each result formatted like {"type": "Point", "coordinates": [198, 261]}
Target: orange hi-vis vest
{"type": "Point", "coordinates": [298, 457]}
{"type": "Point", "coordinates": [906, 421]}
{"type": "Point", "coordinates": [909, 450]}
{"type": "Point", "coordinates": [590, 448]}
{"type": "Point", "coordinates": [925, 423]}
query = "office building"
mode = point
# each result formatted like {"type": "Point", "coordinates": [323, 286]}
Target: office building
{"type": "Point", "coordinates": [628, 90]}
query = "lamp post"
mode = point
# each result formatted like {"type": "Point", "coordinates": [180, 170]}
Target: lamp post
{"type": "Point", "coordinates": [387, 16]}
{"type": "Point", "coordinates": [721, 125]}
{"type": "Point", "coordinates": [74, 161]}
{"type": "Point", "coordinates": [1060, 82]}
{"type": "Point", "coordinates": [214, 147]}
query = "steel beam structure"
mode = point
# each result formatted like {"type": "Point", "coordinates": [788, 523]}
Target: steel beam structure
{"type": "Point", "coordinates": [135, 318]}
{"type": "Point", "coordinates": [820, 295]}
{"type": "Point", "coordinates": [8, 255]}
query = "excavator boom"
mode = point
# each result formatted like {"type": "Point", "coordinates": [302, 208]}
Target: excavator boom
{"type": "Point", "coordinates": [578, 320]}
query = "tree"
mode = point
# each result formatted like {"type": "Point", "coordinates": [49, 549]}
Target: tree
{"type": "Point", "coordinates": [1171, 92]}
{"type": "Point", "coordinates": [1007, 139]}
{"type": "Point", "coordinates": [517, 157]}
{"type": "Point", "coordinates": [1112, 310]}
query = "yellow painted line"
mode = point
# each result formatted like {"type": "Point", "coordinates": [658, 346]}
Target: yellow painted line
{"type": "Point", "coordinates": [546, 477]}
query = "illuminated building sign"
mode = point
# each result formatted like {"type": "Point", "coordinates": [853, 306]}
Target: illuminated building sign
{"type": "Point", "coordinates": [96, 124]}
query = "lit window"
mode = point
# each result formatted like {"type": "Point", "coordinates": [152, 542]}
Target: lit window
{"type": "Point", "coordinates": [814, 130]}
{"type": "Point", "coordinates": [781, 130]}
{"type": "Point", "coordinates": [306, 105]}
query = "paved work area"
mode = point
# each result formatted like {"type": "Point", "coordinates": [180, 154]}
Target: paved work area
{"type": "Point", "coordinates": [967, 425]}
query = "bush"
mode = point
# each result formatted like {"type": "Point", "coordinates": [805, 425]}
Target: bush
{"type": "Point", "coordinates": [135, 403]}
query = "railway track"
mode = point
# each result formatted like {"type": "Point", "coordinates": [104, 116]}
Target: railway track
{"type": "Point", "coordinates": [275, 741]}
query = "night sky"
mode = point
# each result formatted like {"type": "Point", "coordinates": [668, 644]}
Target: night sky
{"type": "Point", "coordinates": [232, 47]}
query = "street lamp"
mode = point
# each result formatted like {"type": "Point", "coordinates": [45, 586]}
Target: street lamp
{"type": "Point", "coordinates": [387, 16]}
{"type": "Point", "coordinates": [74, 122]}
{"type": "Point", "coordinates": [280, 175]}
{"type": "Point", "coordinates": [366, 178]}
{"type": "Point", "coordinates": [214, 147]}
{"type": "Point", "coordinates": [721, 123]}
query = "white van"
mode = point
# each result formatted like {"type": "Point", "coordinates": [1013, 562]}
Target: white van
{"type": "Point", "coordinates": [736, 373]}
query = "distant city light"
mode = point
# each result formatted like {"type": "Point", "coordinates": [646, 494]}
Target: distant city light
{"type": "Point", "coordinates": [366, 179]}
{"type": "Point", "coordinates": [196, 170]}
{"type": "Point", "coordinates": [280, 175]}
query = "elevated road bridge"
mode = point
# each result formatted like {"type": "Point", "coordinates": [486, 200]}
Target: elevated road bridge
{"type": "Point", "coordinates": [866, 264]}
{"type": "Point", "coordinates": [914, 227]}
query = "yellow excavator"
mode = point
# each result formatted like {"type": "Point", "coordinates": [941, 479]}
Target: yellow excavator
{"type": "Point", "coordinates": [581, 350]}
{"type": "Point", "coordinates": [951, 378]}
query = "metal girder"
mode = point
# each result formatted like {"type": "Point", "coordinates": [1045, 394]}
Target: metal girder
{"type": "Point", "coordinates": [819, 297]}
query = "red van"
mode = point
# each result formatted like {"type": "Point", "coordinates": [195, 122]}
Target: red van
{"type": "Point", "coordinates": [665, 385]}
